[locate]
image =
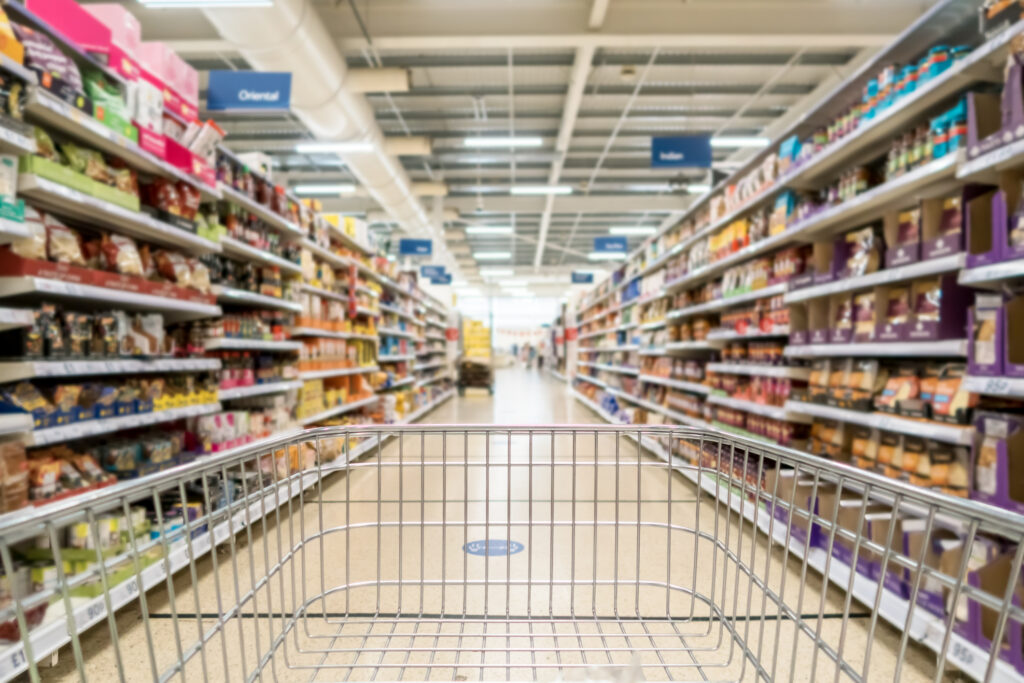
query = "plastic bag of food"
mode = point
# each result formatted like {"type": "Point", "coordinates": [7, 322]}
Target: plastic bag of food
{"type": "Point", "coordinates": [45, 146]}
{"type": "Point", "coordinates": [200, 276]}
{"type": "Point", "coordinates": [164, 195]}
{"type": "Point", "coordinates": [174, 267]}
{"type": "Point", "coordinates": [105, 94]}
{"type": "Point", "coordinates": [88, 162]}
{"type": "Point", "coordinates": [121, 255]}
{"type": "Point", "coordinates": [43, 56]}
{"type": "Point", "coordinates": [64, 245]}
{"type": "Point", "coordinates": [190, 199]}
{"type": "Point", "coordinates": [33, 246]}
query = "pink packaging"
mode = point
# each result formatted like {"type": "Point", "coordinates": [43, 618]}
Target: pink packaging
{"type": "Point", "coordinates": [178, 155]}
{"type": "Point", "coordinates": [68, 17]}
{"type": "Point", "coordinates": [186, 80]}
{"type": "Point", "coordinates": [125, 30]}
{"type": "Point", "coordinates": [152, 142]}
{"type": "Point", "coordinates": [178, 81]}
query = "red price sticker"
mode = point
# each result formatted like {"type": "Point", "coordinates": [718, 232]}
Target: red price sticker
{"type": "Point", "coordinates": [571, 333]}
{"type": "Point", "coordinates": [451, 334]}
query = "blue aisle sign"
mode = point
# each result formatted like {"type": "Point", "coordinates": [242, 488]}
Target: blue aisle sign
{"type": "Point", "coordinates": [442, 279]}
{"type": "Point", "coordinates": [432, 271]}
{"type": "Point", "coordinates": [692, 151]}
{"type": "Point", "coordinates": [579, 278]}
{"type": "Point", "coordinates": [249, 91]}
{"type": "Point", "coordinates": [612, 245]}
{"type": "Point", "coordinates": [493, 547]}
{"type": "Point", "coordinates": [411, 247]}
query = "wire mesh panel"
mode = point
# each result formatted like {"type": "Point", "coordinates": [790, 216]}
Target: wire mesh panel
{"type": "Point", "coordinates": [469, 553]}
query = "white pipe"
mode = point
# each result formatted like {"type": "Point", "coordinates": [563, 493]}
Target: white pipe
{"type": "Point", "coordinates": [289, 36]}
{"type": "Point", "coordinates": [573, 100]}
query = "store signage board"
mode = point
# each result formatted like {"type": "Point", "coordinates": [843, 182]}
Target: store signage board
{"type": "Point", "coordinates": [610, 245]}
{"type": "Point", "coordinates": [442, 279]}
{"type": "Point", "coordinates": [432, 272]}
{"type": "Point", "coordinates": [579, 278]}
{"type": "Point", "coordinates": [268, 91]}
{"type": "Point", "coordinates": [411, 247]}
{"type": "Point", "coordinates": [691, 151]}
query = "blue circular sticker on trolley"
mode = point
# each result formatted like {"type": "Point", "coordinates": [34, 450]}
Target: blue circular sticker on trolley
{"type": "Point", "coordinates": [493, 547]}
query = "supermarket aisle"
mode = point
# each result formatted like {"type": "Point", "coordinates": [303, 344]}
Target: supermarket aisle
{"type": "Point", "coordinates": [586, 522]}
{"type": "Point", "coordinates": [521, 397]}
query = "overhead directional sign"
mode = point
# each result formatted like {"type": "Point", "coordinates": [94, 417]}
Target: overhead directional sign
{"type": "Point", "coordinates": [442, 279]}
{"type": "Point", "coordinates": [685, 150]}
{"type": "Point", "coordinates": [580, 278]}
{"type": "Point", "coordinates": [411, 247]}
{"type": "Point", "coordinates": [249, 91]}
{"type": "Point", "coordinates": [610, 245]}
{"type": "Point", "coordinates": [432, 272]}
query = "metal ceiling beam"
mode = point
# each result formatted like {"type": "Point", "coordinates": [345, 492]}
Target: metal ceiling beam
{"type": "Point", "coordinates": [577, 85]}
{"type": "Point", "coordinates": [766, 40]}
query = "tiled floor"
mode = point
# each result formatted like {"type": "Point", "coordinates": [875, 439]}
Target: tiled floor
{"type": "Point", "coordinates": [618, 562]}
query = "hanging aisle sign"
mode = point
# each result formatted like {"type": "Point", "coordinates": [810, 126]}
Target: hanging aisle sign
{"type": "Point", "coordinates": [693, 151]}
{"type": "Point", "coordinates": [432, 272]}
{"type": "Point", "coordinates": [249, 91]}
{"type": "Point", "coordinates": [610, 245]}
{"type": "Point", "coordinates": [579, 278]}
{"type": "Point", "coordinates": [411, 247]}
{"type": "Point", "coordinates": [443, 279]}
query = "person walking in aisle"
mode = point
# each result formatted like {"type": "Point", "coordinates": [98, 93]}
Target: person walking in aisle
{"type": "Point", "coordinates": [515, 352]}
{"type": "Point", "coordinates": [533, 355]}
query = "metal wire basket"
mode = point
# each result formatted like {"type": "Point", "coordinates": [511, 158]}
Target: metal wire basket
{"type": "Point", "coordinates": [465, 552]}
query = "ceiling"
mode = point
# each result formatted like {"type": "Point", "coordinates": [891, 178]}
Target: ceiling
{"type": "Point", "coordinates": [500, 68]}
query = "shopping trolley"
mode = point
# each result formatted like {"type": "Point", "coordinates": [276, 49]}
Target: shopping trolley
{"type": "Point", "coordinates": [468, 552]}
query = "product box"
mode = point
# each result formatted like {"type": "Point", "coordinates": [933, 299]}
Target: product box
{"type": "Point", "coordinates": [902, 230]}
{"type": "Point", "coordinates": [892, 312]}
{"type": "Point", "coordinates": [116, 123]}
{"type": "Point", "coordinates": [9, 43]}
{"type": "Point", "coordinates": [986, 335]}
{"type": "Point", "coordinates": [990, 571]}
{"type": "Point", "coordinates": [152, 142]}
{"type": "Point", "coordinates": [998, 460]}
{"type": "Point", "coordinates": [914, 545]}
{"type": "Point", "coordinates": [71, 19]}
{"type": "Point", "coordinates": [125, 30]}
{"type": "Point", "coordinates": [985, 130]}
{"type": "Point", "coordinates": [942, 222]}
{"type": "Point", "coordinates": [819, 320]}
{"type": "Point", "coordinates": [798, 493]}
{"type": "Point", "coordinates": [938, 308]}
{"type": "Point", "coordinates": [798, 333]}
{"type": "Point", "coordinates": [113, 195]}
{"type": "Point", "coordinates": [984, 223]}
{"type": "Point", "coordinates": [1013, 336]}
{"type": "Point", "coordinates": [44, 168]}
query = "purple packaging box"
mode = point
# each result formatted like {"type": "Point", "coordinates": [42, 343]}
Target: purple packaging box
{"type": "Point", "coordinates": [986, 318]}
{"type": "Point", "coordinates": [902, 231]}
{"type": "Point", "coordinates": [984, 124]}
{"type": "Point", "coordinates": [997, 459]}
{"type": "Point", "coordinates": [797, 337]}
{"type": "Point", "coordinates": [1012, 336]}
{"type": "Point", "coordinates": [985, 222]}
{"type": "Point", "coordinates": [945, 318]}
{"type": "Point", "coordinates": [992, 579]}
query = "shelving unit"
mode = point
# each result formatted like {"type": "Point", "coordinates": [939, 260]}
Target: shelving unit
{"type": "Point", "coordinates": [927, 429]}
{"type": "Point", "coordinates": [238, 296]}
{"type": "Point", "coordinates": [693, 387]}
{"type": "Point", "coordinates": [337, 372]}
{"type": "Point", "coordinates": [251, 344]}
{"type": "Point", "coordinates": [87, 428]}
{"type": "Point", "coordinates": [232, 247]}
{"type": "Point", "coordinates": [15, 371]}
{"type": "Point", "coordinates": [258, 390]}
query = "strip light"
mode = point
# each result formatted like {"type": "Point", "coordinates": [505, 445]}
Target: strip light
{"type": "Point", "coordinates": [541, 189]}
{"type": "Point", "coordinates": [327, 147]}
{"type": "Point", "coordinates": [698, 188]}
{"type": "Point", "coordinates": [496, 272]}
{"type": "Point", "coordinates": [492, 255]}
{"type": "Point", "coordinates": [606, 255]}
{"type": "Point", "coordinates": [206, 4]}
{"type": "Point", "coordinates": [337, 188]}
{"type": "Point", "coordinates": [488, 141]}
{"type": "Point", "coordinates": [740, 141]}
{"type": "Point", "coordinates": [489, 230]}
{"type": "Point", "coordinates": [632, 230]}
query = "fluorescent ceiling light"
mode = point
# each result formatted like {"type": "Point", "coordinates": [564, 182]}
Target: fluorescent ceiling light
{"type": "Point", "coordinates": [606, 255]}
{"type": "Point", "coordinates": [492, 255]}
{"type": "Point", "coordinates": [327, 147]}
{"type": "Point", "coordinates": [698, 188]}
{"type": "Point", "coordinates": [489, 230]}
{"type": "Point", "coordinates": [336, 188]}
{"type": "Point", "coordinates": [739, 141]}
{"type": "Point", "coordinates": [541, 189]}
{"type": "Point", "coordinates": [488, 141]}
{"type": "Point", "coordinates": [208, 4]}
{"type": "Point", "coordinates": [496, 272]}
{"type": "Point", "coordinates": [632, 230]}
